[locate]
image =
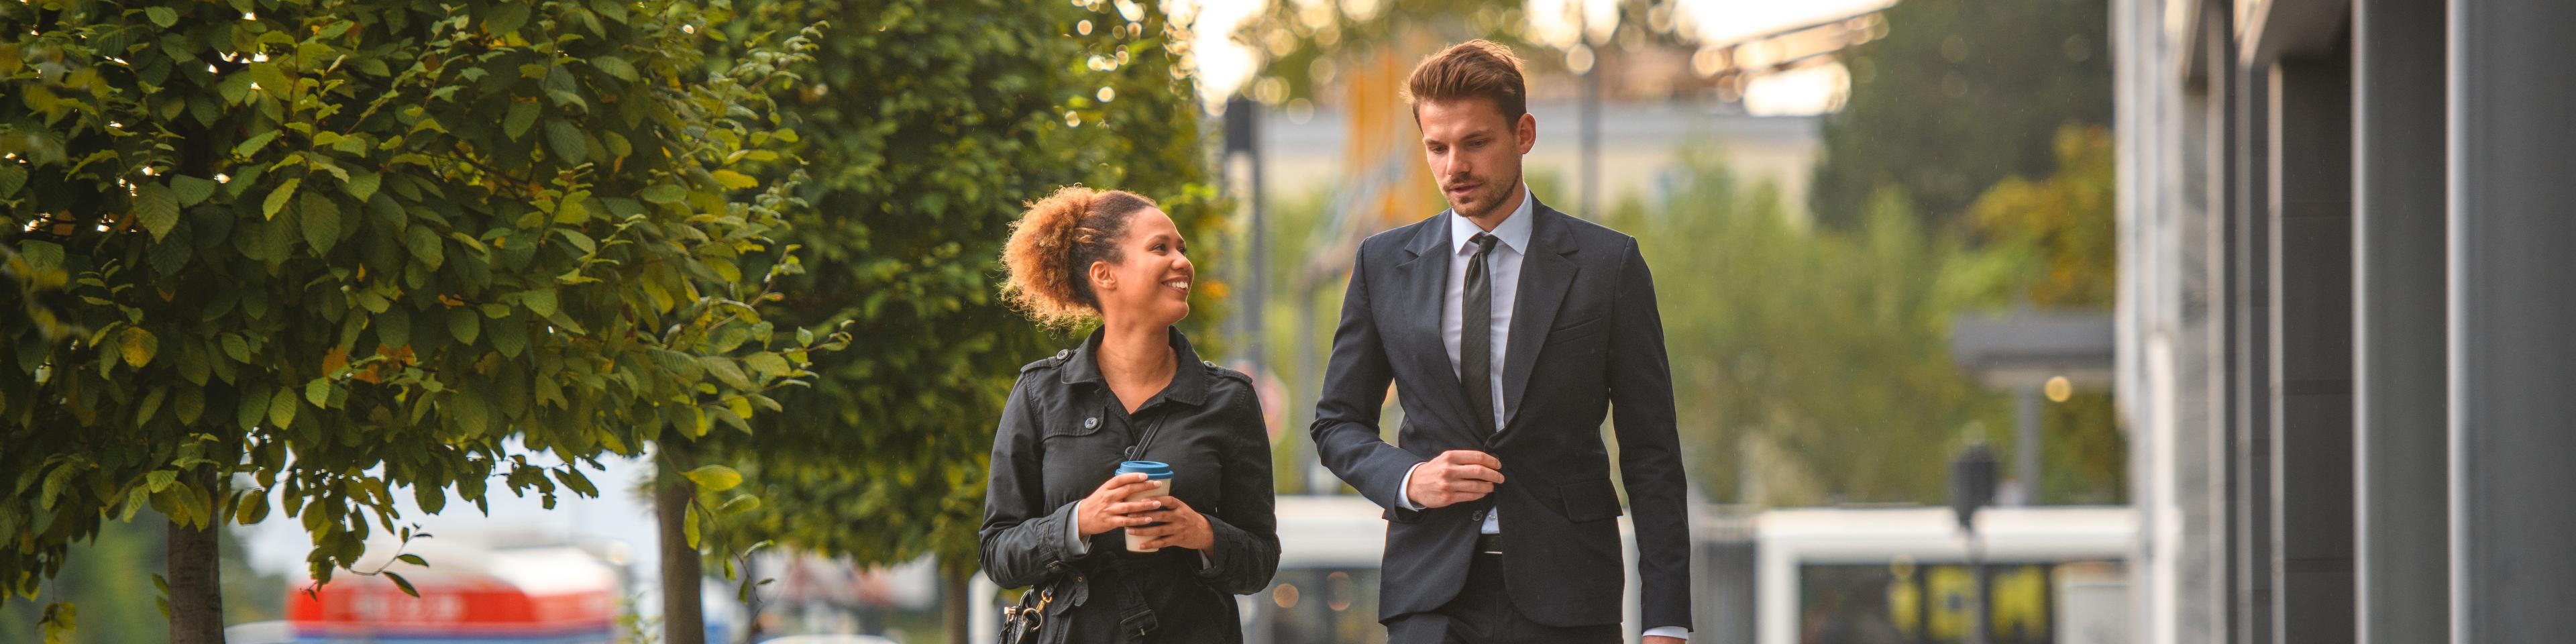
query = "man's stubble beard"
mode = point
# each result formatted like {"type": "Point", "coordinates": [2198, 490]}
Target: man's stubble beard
{"type": "Point", "coordinates": [1501, 192]}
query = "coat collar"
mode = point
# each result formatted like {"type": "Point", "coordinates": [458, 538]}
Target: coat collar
{"type": "Point", "coordinates": [1189, 384]}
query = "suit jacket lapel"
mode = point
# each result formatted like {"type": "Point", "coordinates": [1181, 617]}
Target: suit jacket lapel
{"type": "Point", "coordinates": [1546, 273]}
{"type": "Point", "coordinates": [1416, 335]}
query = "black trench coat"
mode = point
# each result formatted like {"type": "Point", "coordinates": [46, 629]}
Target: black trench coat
{"type": "Point", "coordinates": [1063, 433]}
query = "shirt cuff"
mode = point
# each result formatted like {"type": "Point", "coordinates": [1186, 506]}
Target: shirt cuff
{"type": "Point", "coordinates": [1675, 632]}
{"type": "Point", "coordinates": [1403, 497]}
{"type": "Point", "coordinates": [1074, 544]}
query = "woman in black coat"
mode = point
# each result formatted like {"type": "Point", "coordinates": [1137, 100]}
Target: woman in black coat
{"type": "Point", "coordinates": [1055, 517]}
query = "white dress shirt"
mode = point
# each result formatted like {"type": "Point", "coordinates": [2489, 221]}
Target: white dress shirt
{"type": "Point", "coordinates": [1503, 265]}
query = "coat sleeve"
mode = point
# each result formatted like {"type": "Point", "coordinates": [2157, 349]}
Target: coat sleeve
{"type": "Point", "coordinates": [1346, 432]}
{"type": "Point", "coordinates": [1022, 538]}
{"type": "Point", "coordinates": [1246, 554]}
{"type": "Point", "coordinates": [1650, 459]}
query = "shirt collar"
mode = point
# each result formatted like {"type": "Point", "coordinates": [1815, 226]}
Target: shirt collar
{"type": "Point", "coordinates": [1189, 380]}
{"type": "Point", "coordinates": [1514, 232]}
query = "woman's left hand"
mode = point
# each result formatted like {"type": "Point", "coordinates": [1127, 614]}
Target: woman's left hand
{"type": "Point", "coordinates": [1182, 526]}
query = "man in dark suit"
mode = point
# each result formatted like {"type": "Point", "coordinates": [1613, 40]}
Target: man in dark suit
{"type": "Point", "coordinates": [1510, 331]}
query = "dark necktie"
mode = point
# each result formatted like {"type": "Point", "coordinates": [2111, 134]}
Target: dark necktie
{"type": "Point", "coordinates": [1476, 335]}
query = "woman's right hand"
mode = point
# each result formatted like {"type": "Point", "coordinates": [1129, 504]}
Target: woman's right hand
{"type": "Point", "coordinates": [1108, 508]}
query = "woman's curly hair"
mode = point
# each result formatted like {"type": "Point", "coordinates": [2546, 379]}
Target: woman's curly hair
{"type": "Point", "coordinates": [1052, 248]}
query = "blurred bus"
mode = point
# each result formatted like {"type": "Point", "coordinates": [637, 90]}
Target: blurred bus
{"type": "Point", "coordinates": [1900, 576]}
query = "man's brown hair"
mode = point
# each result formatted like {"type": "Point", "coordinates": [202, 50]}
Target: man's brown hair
{"type": "Point", "coordinates": [1473, 69]}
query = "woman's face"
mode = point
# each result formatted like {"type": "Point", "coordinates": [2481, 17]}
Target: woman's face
{"type": "Point", "coordinates": [1151, 280]}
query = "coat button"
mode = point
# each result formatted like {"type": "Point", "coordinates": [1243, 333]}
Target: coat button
{"type": "Point", "coordinates": [1479, 515]}
{"type": "Point", "coordinates": [1091, 422]}
{"type": "Point", "coordinates": [1210, 363]}
{"type": "Point", "coordinates": [1060, 354]}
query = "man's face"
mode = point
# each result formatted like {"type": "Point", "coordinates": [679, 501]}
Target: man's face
{"type": "Point", "coordinates": [1474, 152]}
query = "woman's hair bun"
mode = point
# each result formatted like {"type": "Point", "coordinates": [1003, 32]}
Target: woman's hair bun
{"type": "Point", "coordinates": [1054, 244]}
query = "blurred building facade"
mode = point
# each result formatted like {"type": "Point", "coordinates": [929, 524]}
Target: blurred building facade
{"type": "Point", "coordinates": [2344, 236]}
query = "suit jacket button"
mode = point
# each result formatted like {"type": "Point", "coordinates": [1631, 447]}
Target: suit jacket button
{"type": "Point", "coordinates": [1479, 515]}
{"type": "Point", "coordinates": [1091, 422]}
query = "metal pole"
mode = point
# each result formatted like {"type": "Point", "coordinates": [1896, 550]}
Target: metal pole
{"type": "Point", "coordinates": [2026, 447]}
{"type": "Point", "coordinates": [1978, 615]}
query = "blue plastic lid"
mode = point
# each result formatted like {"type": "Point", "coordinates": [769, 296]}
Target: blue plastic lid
{"type": "Point", "coordinates": [1154, 470]}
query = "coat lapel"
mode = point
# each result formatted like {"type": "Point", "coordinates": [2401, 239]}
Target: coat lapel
{"type": "Point", "coordinates": [1416, 334]}
{"type": "Point", "coordinates": [1546, 273]}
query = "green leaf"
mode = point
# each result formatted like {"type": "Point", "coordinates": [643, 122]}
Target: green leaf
{"type": "Point", "coordinates": [393, 327]}
{"type": "Point", "coordinates": [689, 528]}
{"type": "Point", "coordinates": [252, 145]}
{"type": "Point", "coordinates": [505, 17]}
{"type": "Point", "coordinates": [321, 222]}
{"type": "Point", "coordinates": [767, 364]}
{"type": "Point", "coordinates": [739, 504]}
{"type": "Point", "coordinates": [12, 177]}
{"type": "Point", "coordinates": [277, 199]}
{"type": "Point", "coordinates": [714, 478]}
{"type": "Point", "coordinates": [281, 409]}
{"type": "Point", "coordinates": [565, 141]}
{"type": "Point", "coordinates": [318, 392]}
{"type": "Point", "coordinates": [151, 404]}
{"type": "Point", "coordinates": [362, 185]}
{"type": "Point", "coordinates": [509, 335]}
{"type": "Point", "coordinates": [253, 405]}
{"type": "Point", "coordinates": [464, 325]}
{"type": "Point", "coordinates": [540, 302]}
{"type": "Point", "coordinates": [163, 16]}
{"type": "Point", "coordinates": [189, 190]}
{"type": "Point", "coordinates": [425, 245]}
{"type": "Point", "coordinates": [189, 405]}
{"type": "Point", "coordinates": [614, 66]}
{"type": "Point", "coordinates": [156, 208]}
{"type": "Point", "coordinates": [665, 194]}
{"type": "Point", "coordinates": [400, 582]}
{"type": "Point", "coordinates": [412, 559]}
{"type": "Point", "coordinates": [725, 370]}
{"type": "Point", "coordinates": [573, 478]}
{"type": "Point", "coordinates": [579, 240]}
{"type": "Point", "coordinates": [138, 346]}
{"type": "Point", "coordinates": [522, 116]}
{"type": "Point", "coordinates": [237, 348]}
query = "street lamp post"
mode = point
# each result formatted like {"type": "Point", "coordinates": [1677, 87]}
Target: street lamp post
{"type": "Point", "coordinates": [1972, 486]}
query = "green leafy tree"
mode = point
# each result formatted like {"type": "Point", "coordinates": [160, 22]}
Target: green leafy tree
{"type": "Point", "coordinates": [2063, 235]}
{"type": "Point", "coordinates": [1959, 95]}
{"type": "Point", "coordinates": [931, 123]}
{"type": "Point", "coordinates": [344, 247]}
{"type": "Point", "coordinates": [1813, 363]}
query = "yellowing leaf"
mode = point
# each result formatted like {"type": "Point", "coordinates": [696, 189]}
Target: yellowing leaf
{"type": "Point", "coordinates": [715, 478]}
{"type": "Point", "coordinates": [138, 346]}
{"type": "Point", "coordinates": [735, 180]}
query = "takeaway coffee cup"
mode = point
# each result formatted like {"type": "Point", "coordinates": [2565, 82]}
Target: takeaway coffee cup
{"type": "Point", "coordinates": [1160, 475]}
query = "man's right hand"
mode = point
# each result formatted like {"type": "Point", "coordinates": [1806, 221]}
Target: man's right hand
{"type": "Point", "coordinates": [1455, 476]}
{"type": "Point", "coordinates": [1108, 509]}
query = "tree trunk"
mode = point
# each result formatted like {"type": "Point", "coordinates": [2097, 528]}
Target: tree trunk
{"type": "Point", "coordinates": [953, 602]}
{"type": "Point", "coordinates": [683, 616]}
{"type": "Point", "coordinates": [196, 585]}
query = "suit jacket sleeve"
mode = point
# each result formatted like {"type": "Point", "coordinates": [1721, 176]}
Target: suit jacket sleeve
{"type": "Point", "coordinates": [1650, 460]}
{"type": "Point", "coordinates": [1346, 432]}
